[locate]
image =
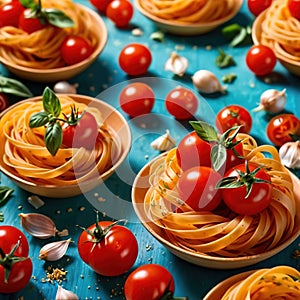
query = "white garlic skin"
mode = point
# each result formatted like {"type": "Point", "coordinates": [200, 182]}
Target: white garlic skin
{"type": "Point", "coordinates": [164, 142]}
{"type": "Point", "coordinates": [63, 294]}
{"type": "Point", "coordinates": [290, 154]}
{"type": "Point", "coordinates": [55, 250]}
{"type": "Point", "coordinates": [176, 64]}
{"type": "Point", "coordinates": [207, 82]}
{"type": "Point", "coordinates": [272, 101]}
{"type": "Point", "coordinates": [64, 87]}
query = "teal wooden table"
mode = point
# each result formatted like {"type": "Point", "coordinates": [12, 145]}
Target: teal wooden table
{"type": "Point", "coordinates": [104, 80]}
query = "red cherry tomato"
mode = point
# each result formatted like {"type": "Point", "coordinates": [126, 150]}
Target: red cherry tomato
{"type": "Point", "coordinates": [110, 253]}
{"type": "Point", "coordinates": [135, 59]}
{"type": "Point", "coordinates": [30, 25]}
{"type": "Point", "coordinates": [181, 103]}
{"type": "Point", "coordinates": [281, 128]}
{"type": "Point", "coordinates": [196, 188]}
{"type": "Point", "coordinates": [21, 271]}
{"type": "Point", "coordinates": [101, 5]}
{"type": "Point", "coordinates": [4, 103]}
{"type": "Point", "coordinates": [75, 49]}
{"type": "Point", "coordinates": [261, 60]}
{"type": "Point", "coordinates": [294, 8]}
{"type": "Point", "coordinates": [259, 197]}
{"type": "Point", "coordinates": [82, 134]}
{"type": "Point", "coordinates": [234, 115]}
{"type": "Point", "coordinates": [151, 282]}
{"type": "Point", "coordinates": [120, 12]}
{"type": "Point", "coordinates": [137, 99]}
{"type": "Point", "coordinates": [258, 6]}
{"type": "Point", "coordinates": [10, 13]}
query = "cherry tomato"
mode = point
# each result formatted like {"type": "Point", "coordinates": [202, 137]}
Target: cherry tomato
{"type": "Point", "coordinates": [181, 103]}
{"type": "Point", "coordinates": [10, 13]}
{"type": "Point", "coordinates": [120, 12]}
{"type": "Point", "coordinates": [82, 134]}
{"type": "Point", "coordinates": [135, 59]}
{"type": "Point", "coordinates": [136, 99]}
{"type": "Point", "coordinates": [101, 5]}
{"type": "Point", "coordinates": [3, 102]}
{"type": "Point", "coordinates": [75, 49]}
{"type": "Point", "coordinates": [261, 60]}
{"type": "Point", "coordinates": [294, 8]}
{"type": "Point", "coordinates": [234, 115]}
{"type": "Point", "coordinates": [149, 281]}
{"type": "Point", "coordinates": [259, 197]}
{"type": "Point", "coordinates": [281, 127]}
{"type": "Point", "coordinates": [108, 251]}
{"type": "Point", "coordinates": [258, 6]}
{"type": "Point", "coordinates": [20, 272]}
{"type": "Point", "coordinates": [196, 188]}
{"type": "Point", "coordinates": [30, 25]}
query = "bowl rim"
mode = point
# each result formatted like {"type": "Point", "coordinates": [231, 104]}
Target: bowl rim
{"type": "Point", "coordinates": [219, 260]}
{"type": "Point", "coordinates": [173, 23]}
{"type": "Point", "coordinates": [102, 176]}
{"type": "Point", "coordinates": [92, 57]}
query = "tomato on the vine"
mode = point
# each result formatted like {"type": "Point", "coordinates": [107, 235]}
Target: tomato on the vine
{"type": "Point", "coordinates": [135, 59]}
{"type": "Point", "coordinates": [181, 103]}
{"type": "Point", "coordinates": [294, 8]}
{"type": "Point", "coordinates": [4, 103]}
{"type": "Point", "coordinates": [109, 249]}
{"type": "Point", "coordinates": [261, 60]}
{"type": "Point", "coordinates": [196, 187]}
{"type": "Point", "coordinates": [10, 13]}
{"type": "Point", "coordinates": [283, 128]}
{"type": "Point", "coordinates": [120, 12]}
{"type": "Point", "coordinates": [258, 6]}
{"type": "Point", "coordinates": [14, 250]}
{"type": "Point", "coordinates": [75, 49]}
{"type": "Point", "coordinates": [30, 25]}
{"type": "Point", "coordinates": [234, 115]}
{"type": "Point", "coordinates": [246, 189]}
{"type": "Point", "coordinates": [136, 99]}
{"type": "Point", "coordinates": [101, 5]}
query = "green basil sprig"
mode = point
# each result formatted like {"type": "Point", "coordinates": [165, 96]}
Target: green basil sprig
{"type": "Point", "coordinates": [237, 34]}
{"type": "Point", "coordinates": [51, 15]}
{"type": "Point", "coordinates": [224, 60]}
{"type": "Point", "coordinates": [223, 142]}
{"type": "Point", "coordinates": [14, 87]}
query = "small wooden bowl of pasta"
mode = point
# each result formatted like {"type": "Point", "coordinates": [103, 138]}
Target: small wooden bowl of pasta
{"type": "Point", "coordinates": [37, 56]}
{"type": "Point", "coordinates": [72, 170]}
{"type": "Point", "coordinates": [218, 239]}
{"type": "Point", "coordinates": [189, 17]}
{"type": "Point", "coordinates": [277, 29]}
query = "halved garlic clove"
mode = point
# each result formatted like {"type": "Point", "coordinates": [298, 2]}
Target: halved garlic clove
{"type": "Point", "coordinates": [64, 87]}
{"type": "Point", "coordinates": [290, 154]}
{"type": "Point", "coordinates": [55, 250]}
{"type": "Point", "coordinates": [176, 64]}
{"type": "Point", "coordinates": [63, 294]}
{"type": "Point", "coordinates": [164, 142]}
{"type": "Point", "coordinates": [207, 82]}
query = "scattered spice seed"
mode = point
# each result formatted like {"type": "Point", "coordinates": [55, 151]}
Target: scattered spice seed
{"type": "Point", "coordinates": [35, 201]}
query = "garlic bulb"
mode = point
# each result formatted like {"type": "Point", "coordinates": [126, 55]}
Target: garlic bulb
{"type": "Point", "coordinates": [164, 143]}
{"type": "Point", "coordinates": [207, 82]}
{"type": "Point", "coordinates": [272, 101]}
{"type": "Point", "coordinates": [290, 154]}
{"type": "Point", "coordinates": [64, 87]}
{"type": "Point", "coordinates": [63, 294]}
{"type": "Point", "coordinates": [176, 64]}
{"type": "Point", "coordinates": [55, 250]}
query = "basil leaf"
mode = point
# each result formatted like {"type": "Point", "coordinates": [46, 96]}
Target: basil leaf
{"type": "Point", "coordinates": [218, 156]}
{"type": "Point", "coordinates": [229, 78]}
{"type": "Point", "coordinates": [51, 102]}
{"type": "Point", "coordinates": [39, 119]}
{"type": "Point", "coordinates": [205, 131]}
{"type": "Point", "coordinates": [1, 216]}
{"type": "Point", "coordinates": [53, 137]}
{"type": "Point", "coordinates": [58, 18]}
{"type": "Point", "coordinates": [5, 194]}
{"type": "Point", "coordinates": [230, 31]}
{"type": "Point", "coordinates": [224, 60]}
{"type": "Point", "coordinates": [14, 87]}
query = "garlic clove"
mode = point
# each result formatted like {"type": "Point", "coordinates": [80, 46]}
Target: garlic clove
{"type": "Point", "coordinates": [272, 101]}
{"type": "Point", "coordinates": [55, 250]}
{"type": "Point", "coordinates": [176, 64]}
{"type": "Point", "coordinates": [207, 82]}
{"type": "Point", "coordinates": [63, 294]}
{"type": "Point", "coordinates": [164, 142]}
{"type": "Point", "coordinates": [290, 154]}
{"type": "Point", "coordinates": [64, 87]}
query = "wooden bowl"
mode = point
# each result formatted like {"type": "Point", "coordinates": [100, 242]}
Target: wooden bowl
{"type": "Point", "coordinates": [121, 132]}
{"type": "Point", "coordinates": [178, 28]}
{"type": "Point", "coordinates": [67, 72]}
{"type": "Point", "coordinates": [291, 65]}
{"type": "Point", "coordinates": [140, 187]}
